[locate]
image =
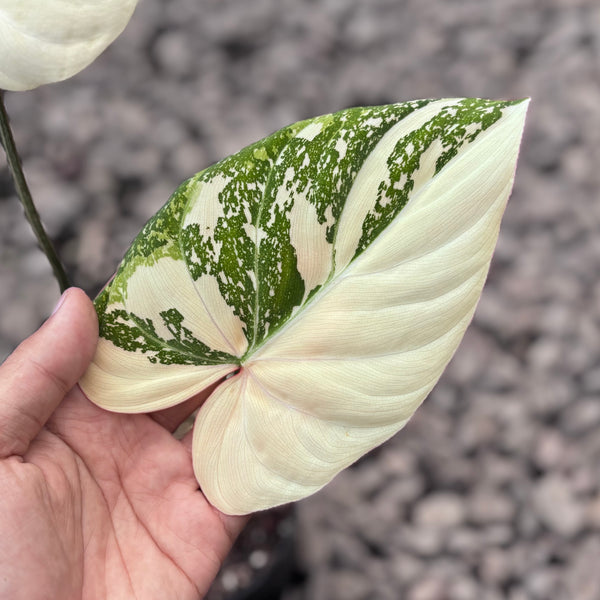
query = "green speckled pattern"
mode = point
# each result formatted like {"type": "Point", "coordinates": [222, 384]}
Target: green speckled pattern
{"type": "Point", "coordinates": [261, 226]}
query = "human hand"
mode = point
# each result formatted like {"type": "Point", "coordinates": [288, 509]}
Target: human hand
{"type": "Point", "coordinates": [96, 505]}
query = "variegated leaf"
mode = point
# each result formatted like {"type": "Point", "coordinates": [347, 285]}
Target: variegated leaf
{"type": "Point", "coordinates": [329, 271]}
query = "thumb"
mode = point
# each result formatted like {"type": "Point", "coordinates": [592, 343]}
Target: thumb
{"type": "Point", "coordinates": [36, 376]}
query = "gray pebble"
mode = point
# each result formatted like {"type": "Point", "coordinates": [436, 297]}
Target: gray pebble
{"type": "Point", "coordinates": [556, 506]}
{"type": "Point", "coordinates": [441, 510]}
{"type": "Point", "coordinates": [490, 506]}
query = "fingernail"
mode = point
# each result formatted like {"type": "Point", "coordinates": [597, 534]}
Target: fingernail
{"type": "Point", "coordinates": [59, 303]}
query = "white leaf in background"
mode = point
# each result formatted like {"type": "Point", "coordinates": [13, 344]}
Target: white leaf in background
{"type": "Point", "coordinates": [43, 41]}
{"type": "Point", "coordinates": [329, 270]}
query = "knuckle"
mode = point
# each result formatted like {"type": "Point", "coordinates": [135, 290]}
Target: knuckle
{"type": "Point", "coordinates": [60, 383]}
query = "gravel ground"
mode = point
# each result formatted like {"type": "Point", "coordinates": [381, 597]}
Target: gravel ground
{"type": "Point", "coordinates": [493, 490]}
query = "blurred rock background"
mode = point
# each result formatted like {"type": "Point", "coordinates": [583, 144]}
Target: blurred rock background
{"type": "Point", "coordinates": [493, 490]}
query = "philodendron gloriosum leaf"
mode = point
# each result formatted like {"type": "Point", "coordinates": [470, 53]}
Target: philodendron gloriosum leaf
{"type": "Point", "coordinates": [330, 270]}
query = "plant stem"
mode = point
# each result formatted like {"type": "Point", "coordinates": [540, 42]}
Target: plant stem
{"type": "Point", "coordinates": [31, 213]}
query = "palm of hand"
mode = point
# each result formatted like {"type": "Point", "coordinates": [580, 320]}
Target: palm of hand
{"type": "Point", "coordinates": [103, 505]}
{"type": "Point", "coordinates": [107, 506]}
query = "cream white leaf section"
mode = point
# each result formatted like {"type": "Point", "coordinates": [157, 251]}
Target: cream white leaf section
{"type": "Point", "coordinates": [43, 41]}
{"type": "Point", "coordinates": [259, 473]}
{"type": "Point", "coordinates": [384, 388]}
{"type": "Point", "coordinates": [352, 366]}
{"type": "Point", "coordinates": [306, 232]}
{"type": "Point", "coordinates": [114, 368]}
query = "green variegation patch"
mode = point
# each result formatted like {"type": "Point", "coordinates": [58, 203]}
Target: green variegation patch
{"type": "Point", "coordinates": [337, 262]}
